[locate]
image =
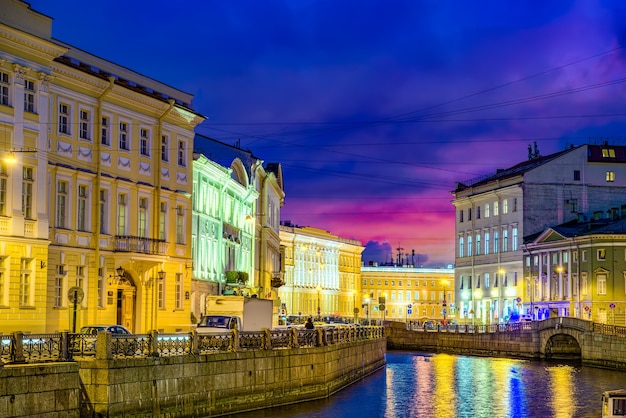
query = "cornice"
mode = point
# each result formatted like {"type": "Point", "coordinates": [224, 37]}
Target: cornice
{"type": "Point", "coordinates": [46, 50]}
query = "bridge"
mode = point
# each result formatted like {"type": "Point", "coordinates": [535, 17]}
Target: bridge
{"type": "Point", "coordinates": [560, 338]}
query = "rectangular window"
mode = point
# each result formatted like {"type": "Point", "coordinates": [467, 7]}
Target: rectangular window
{"type": "Point", "coordinates": [182, 156]}
{"type": "Point", "coordinates": [3, 285]}
{"type": "Point", "coordinates": [496, 243]}
{"type": "Point", "coordinates": [496, 208]}
{"type": "Point", "coordinates": [58, 291]}
{"type": "Point", "coordinates": [469, 214]}
{"type": "Point", "coordinates": [461, 247]}
{"type": "Point", "coordinates": [487, 279]}
{"type": "Point", "coordinates": [3, 188]}
{"type": "Point", "coordinates": [601, 280]}
{"type": "Point", "coordinates": [101, 287]}
{"type": "Point", "coordinates": [487, 210]}
{"type": "Point", "coordinates": [584, 255]}
{"type": "Point", "coordinates": [81, 208]}
{"type": "Point", "coordinates": [61, 204]}
{"type": "Point", "coordinates": [514, 244]}
{"type": "Point", "coordinates": [576, 175]}
{"type": "Point", "coordinates": [179, 291]}
{"type": "Point", "coordinates": [515, 278]}
{"type": "Point", "coordinates": [608, 153]}
{"type": "Point", "coordinates": [26, 273]}
{"type": "Point", "coordinates": [477, 244]}
{"type": "Point", "coordinates": [104, 132]}
{"type": "Point", "coordinates": [583, 283]}
{"type": "Point", "coordinates": [103, 212]}
{"type": "Point", "coordinates": [180, 225]}
{"type": "Point", "coordinates": [469, 246]}
{"type": "Point", "coordinates": [121, 215]}
{"type": "Point", "coordinates": [162, 218]}
{"type": "Point", "coordinates": [505, 240]}
{"type": "Point", "coordinates": [143, 209]}
{"type": "Point", "coordinates": [124, 142]}
{"type": "Point", "coordinates": [161, 293]}
{"type": "Point", "coordinates": [515, 204]}
{"type": "Point", "coordinates": [165, 152]}
{"type": "Point", "coordinates": [487, 242]}
{"type": "Point", "coordinates": [461, 216]}
{"type": "Point", "coordinates": [27, 192]}
{"type": "Point", "coordinates": [477, 212]}
{"type": "Point", "coordinates": [144, 146]}
{"type": "Point", "coordinates": [610, 176]}
{"type": "Point", "coordinates": [29, 96]}
{"type": "Point", "coordinates": [85, 127]}
{"type": "Point", "coordinates": [505, 206]}
{"type": "Point", "coordinates": [4, 89]}
{"type": "Point", "coordinates": [64, 119]}
{"type": "Point", "coordinates": [601, 254]}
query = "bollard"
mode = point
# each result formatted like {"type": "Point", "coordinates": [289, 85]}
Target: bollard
{"type": "Point", "coordinates": [17, 354]}
{"type": "Point", "coordinates": [154, 343]}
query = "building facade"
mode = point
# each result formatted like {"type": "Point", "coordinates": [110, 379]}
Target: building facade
{"type": "Point", "coordinates": [407, 293]}
{"type": "Point", "coordinates": [322, 273]}
{"type": "Point", "coordinates": [495, 212]}
{"type": "Point", "coordinates": [222, 234]}
{"type": "Point", "coordinates": [107, 190]}
{"type": "Point", "coordinates": [578, 269]}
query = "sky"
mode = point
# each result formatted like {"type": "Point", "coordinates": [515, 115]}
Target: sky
{"type": "Point", "coordinates": [375, 109]}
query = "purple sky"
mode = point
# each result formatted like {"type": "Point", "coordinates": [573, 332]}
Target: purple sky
{"type": "Point", "coordinates": [376, 108]}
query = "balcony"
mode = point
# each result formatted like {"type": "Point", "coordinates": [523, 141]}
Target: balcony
{"type": "Point", "coordinates": [140, 245]}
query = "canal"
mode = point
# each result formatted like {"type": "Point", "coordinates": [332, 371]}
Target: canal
{"type": "Point", "coordinates": [446, 386]}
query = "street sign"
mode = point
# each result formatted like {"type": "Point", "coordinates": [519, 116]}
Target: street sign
{"type": "Point", "coordinates": [381, 307]}
{"type": "Point", "coordinates": [612, 306]}
{"type": "Point", "coordinates": [356, 310]}
{"type": "Point", "coordinates": [409, 311]}
{"type": "Point", "coordinates": [518, 300]}
{"type": "Point", "coordinates": [410, 306]}
{"type": "Point", "coordinates": [445, 303]}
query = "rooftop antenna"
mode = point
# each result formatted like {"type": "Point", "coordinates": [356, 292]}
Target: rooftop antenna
{"type": "Point", "coordinates": [399, 254]}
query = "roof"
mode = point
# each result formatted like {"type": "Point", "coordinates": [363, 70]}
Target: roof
{"type": "Point", "coordinates": [516, 170]}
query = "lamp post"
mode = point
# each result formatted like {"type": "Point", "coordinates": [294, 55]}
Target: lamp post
{"type": "Point", "coordinates": [319, 296]}
{"type": "Point", "coordinates": [501, 283]}
{"type": "Point", "coordinates": [367, 301]}
{"type": "Point", "coordinates": [445, 302]}
{"type": "Point", "coordinates": [355, 309]}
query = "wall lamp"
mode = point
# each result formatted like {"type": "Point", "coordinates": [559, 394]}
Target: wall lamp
{"type": "Point", "coordinates": [115, 279]}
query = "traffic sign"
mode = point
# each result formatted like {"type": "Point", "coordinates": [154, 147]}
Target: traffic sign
{"type": "Point", "coordinates": [612, 306]}
{"type": "Point", "coordinates": [381, 307]}
{"type": "Point", "coordinates": [409, 311]}
{"type": "Point", "coordinates": [410, 306]}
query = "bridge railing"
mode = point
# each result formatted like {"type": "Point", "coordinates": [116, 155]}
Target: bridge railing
{"type": "Point", "coordinates": [35, 348]}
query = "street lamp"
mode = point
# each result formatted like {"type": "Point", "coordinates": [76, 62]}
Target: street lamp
{"type": "Point", "coordinates": [319, 295]}
{"type": "Point", "coordinates": [367, 301]}
{"type": "Point", "coordinates": [445, 302]}
{"type": "Point", "coordinates": [355, 309]}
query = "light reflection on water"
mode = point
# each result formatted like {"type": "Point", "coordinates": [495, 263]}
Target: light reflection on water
{"type": "Point", "coordinates": [442, 386]}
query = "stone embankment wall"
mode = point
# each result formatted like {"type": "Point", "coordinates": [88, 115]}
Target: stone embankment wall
{"type": "Point", "coordinates": [40, 390]}
{"type": "Point", "coordinates": [598, 345]}
{"type": "Point", "coordinates": [504, 344]}
{"type": "Point", "coordinates": [223, 383]}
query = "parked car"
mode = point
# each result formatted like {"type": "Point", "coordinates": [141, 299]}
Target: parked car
{"type": "Point", "coordinates": [84, 342]}
{"type": "Point", "coordinates": [113, 329]}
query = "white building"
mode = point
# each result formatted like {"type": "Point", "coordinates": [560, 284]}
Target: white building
{"type": "Point", "coordinates": [495, 212]}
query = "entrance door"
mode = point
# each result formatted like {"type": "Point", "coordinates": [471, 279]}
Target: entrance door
{"type": "Point", "coordinates": [126, 307]}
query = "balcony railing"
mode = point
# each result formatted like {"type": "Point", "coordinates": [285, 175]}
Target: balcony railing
{"type": "Point", "coordinates": [140, 245]}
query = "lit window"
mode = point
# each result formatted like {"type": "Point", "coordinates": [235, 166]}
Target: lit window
{"type": "Point", "coordinates": [162, 217]}
{"type": "Point", "coordinates": [608, 152]}
{"type": "Point", "coordinates": [143, 209]}
{"type": "Point", "coordinates": [487, 210]}
{"type": "Point", "coordinates": [610, 176]}
{"type": "Point", "coordinates": [601, 254]}
{"type": "Point", "coordinates": [601, 280]}
{"type": "Point", "coordinates": [505, 206]}
{"type": "Point", "coordinates": [121, 215]}
{"type": "Point", "coordinates": [3, 188]}
{"type": "Point", "coordinates": [81, 221]}
{"type": "Point", "coordinates": [495, 208]}
{"type": "Point", "coordinates": [25, 289]}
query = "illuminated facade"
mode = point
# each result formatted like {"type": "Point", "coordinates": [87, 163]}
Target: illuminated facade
{"type": "Point", "coordinates": [408, 293]}
{"type": "Point", "coordinates": [322, 273]}
{"type": "Point", "coordinates": [579, 269]}
{"type": "Point", "coordinates": [223, 236]}
{"type": "Point", "coordinates": [494, 213]}
{"type": "Point", "coordinates": [109, 187]}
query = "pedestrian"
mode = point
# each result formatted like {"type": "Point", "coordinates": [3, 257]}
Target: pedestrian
{"type": "Point", "coordinates": [309, 324]}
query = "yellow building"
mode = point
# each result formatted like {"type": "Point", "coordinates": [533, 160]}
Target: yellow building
{"type": "Point", "coordinates": [109, 186]}
{"type": "Point", "coordinates": [401, 293]}
{"type": "Point", "coordinates": [322, 273]}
